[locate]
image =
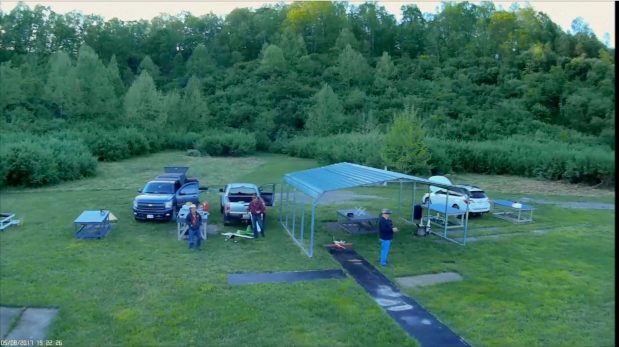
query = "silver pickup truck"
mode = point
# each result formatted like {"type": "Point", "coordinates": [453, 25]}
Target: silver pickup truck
{"type": "Point", "coordinates": [235, 199]}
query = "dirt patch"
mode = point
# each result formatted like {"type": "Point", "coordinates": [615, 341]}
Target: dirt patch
{"type": "Point", "coordinates": [212, 229]}
{"type": "Point", "coordinates": [522, 185]}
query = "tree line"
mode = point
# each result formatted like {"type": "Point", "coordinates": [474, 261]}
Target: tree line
{"type": "Point", "coordinates": [268, 78]}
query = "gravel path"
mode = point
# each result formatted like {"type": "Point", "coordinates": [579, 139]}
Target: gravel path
{"type": "Point", "coordinates": [574, 204]}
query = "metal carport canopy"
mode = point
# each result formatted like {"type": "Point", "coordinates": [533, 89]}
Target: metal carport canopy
{"type": "Point", "coordinates": [315, 182]}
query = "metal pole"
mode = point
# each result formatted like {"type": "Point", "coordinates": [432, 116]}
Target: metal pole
{"type": "Point", "coordinates": [400, 200]}
{"type": "Point", "coordinates": [294, 212]}
{"type": "Point", "coordinates": [288, 187]}
{"type": "Point", "coordinates": [413, 203]}
{"type": "Point", "coordinates": [281, 198]}
{"type": "Point", "coordinates": [302, 217]}
{"type": "Point", "coordinates": [446, 217]}
{"type": "Point", "coordinates": [466, 222]}
{"type": "Point", "coordinates": [311, 250]}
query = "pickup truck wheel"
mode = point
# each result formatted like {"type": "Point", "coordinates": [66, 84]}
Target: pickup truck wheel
{"type": "Point", "coordinates": [226, 221]}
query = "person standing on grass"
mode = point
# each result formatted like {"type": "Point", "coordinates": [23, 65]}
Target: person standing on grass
{"type": "Point", "coordinates": [256, 209]}
{"type": "Point", "coordinates": [194, 221]}
{"type": "Point", "coordinates": [385, 230]}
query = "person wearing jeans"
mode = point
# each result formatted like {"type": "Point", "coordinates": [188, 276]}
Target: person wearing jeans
{"type": "Point", "coordinates": [194, 221]}
{"type": "Point", "coordinates": [385, 232]}
{"type": "Point", "coordinates": [256, 209]}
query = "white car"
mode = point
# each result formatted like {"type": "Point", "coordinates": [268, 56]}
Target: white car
{"type": "Point", "coordinates": [478, 203]}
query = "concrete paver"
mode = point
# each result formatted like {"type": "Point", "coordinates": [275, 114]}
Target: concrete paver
{"type": "Point", "coordinates": [33, 324]}
{"type": "Point", "coordinates": [428, 280]}
{"type": "Point", "coordinates": [7, 315]}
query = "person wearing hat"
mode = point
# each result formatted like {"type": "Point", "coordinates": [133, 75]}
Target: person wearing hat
{"type": "Point", "coordinates": [194, 221]}
{"type": "Point", "coordinates": [385, 232]}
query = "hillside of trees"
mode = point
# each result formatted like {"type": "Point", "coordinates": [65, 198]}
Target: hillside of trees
{"type": "Point", "coordinates": [492, 91]}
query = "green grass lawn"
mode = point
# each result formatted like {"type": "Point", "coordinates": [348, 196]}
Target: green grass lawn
{"type": "Point", "coordinates": [141, 287]}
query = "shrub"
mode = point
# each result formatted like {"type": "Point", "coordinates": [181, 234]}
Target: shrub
{"type": "Point", "coordinates": [405, 148]}
{"type": "Point", "coordinates": [34, 161]}
{"type": "Point", "coordinates": [514, 156]}
{"type": "Point", "coordinates": [193, 153]}
{"type": "Point", "coordinates": [232, 143]}
{"type": "Point", "coordinates": [137, 142]}
{"type": "Point", "coordinates": [353, 147]}
{"type": "Point", "coordinates": [106, 146]}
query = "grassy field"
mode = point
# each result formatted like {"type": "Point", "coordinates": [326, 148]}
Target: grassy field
{"type": "Point", "coordinates": [549, 283]}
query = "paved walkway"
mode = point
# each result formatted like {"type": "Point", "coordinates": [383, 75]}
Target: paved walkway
{"type": "Point", "coordinates": [32, 323]}
{"type": "Point", "coordinates": [411, 316]}
{"type": "Point", "coordinates": [428, 279]}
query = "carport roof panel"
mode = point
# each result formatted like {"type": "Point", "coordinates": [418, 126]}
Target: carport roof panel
{"type": "Point", "coordinates": [315, 182]}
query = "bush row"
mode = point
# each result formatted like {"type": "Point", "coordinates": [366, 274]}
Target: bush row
{"type": "Point", "coordinates": [30, 160]}
{"type": "Point", "coordinates": [352, 147]}
{"type": "Point", "coordinates": [514, 156]}
{"type": "Point", "coordinates": [33, 160]}
{"type": "Point", "coordinates": [227, 143]}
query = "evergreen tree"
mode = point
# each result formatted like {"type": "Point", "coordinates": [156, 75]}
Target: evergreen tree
{"type": "Point", "coordinates": [352, 67]}
{"type": "Point", "coordinates": [178, 66]}
{"type": "Point", "coordinates": [273, 61]}
{"type": "Point", "coordinates": [62, 88]}
{"type": "Point", "coordinates": [149, 66]}
{"type": "Point", "coordinates": [193, 107]}
{"type": "Point", "coordinates": [12, 94]}
{"type": "Point", "coordinates": [98, 100]}
{"type": "Point", "coordinates": [346, 38]}
{"type": "Point", "coordinates": [404, 149]}
{"type": "Point", "coordinates": [326, 115]}
{"type": "Point", "coordinates": [114, 75]}
{"type": "Point", "coordinates": [200, 63]}
{"type": "Point", "coordinates": [384, 73]}
{"type": "Point", "coordinates": [292, 45]}
{"type": "Point", "coordinates": [143, 104]}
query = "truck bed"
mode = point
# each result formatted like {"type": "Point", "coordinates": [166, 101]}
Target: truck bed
{"type": "Point", "coordinates": [239, 198]}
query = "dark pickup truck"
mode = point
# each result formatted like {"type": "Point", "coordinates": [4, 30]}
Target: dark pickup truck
{"type": "Point", "coordinates": [161, 198]}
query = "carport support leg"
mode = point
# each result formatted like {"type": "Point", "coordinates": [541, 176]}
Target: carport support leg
{"type": "Point", "coordinates": [302, 219]}
{"type": "Point", "coordinates": [281, 199]}
{"type": "Point", "coordinates": [446, 221]}
{"type": "Point", "coordinates": [311, 248]}
{"type": "Point", "coordinates": [294, 213]}
{"type": "Point", "coordinates": [400, 201]}
{"type": "Point", "coordinates": [287, 203]}
{"type": "Point", "coordinates": [413, 202]}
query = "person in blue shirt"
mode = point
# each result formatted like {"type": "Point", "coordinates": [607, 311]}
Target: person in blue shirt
{"type": "Point", "coordinates": [385, 232]}
{"type": "Point", "coordinates": [194, 221]}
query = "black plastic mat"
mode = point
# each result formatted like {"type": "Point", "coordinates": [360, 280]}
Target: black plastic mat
{"type": "Point", "coordinates": [411, 316]}
{"type": "Point", "coordinates": [286, 277]}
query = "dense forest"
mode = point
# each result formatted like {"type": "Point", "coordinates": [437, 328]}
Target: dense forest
{"type": "Point", "coordinates": [481, 89]}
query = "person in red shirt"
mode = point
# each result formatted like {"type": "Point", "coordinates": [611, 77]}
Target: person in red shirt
{"type": "Point", "coordinates": [194, 222]}
{"type": "Point", "coordinates": [257, 209]}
